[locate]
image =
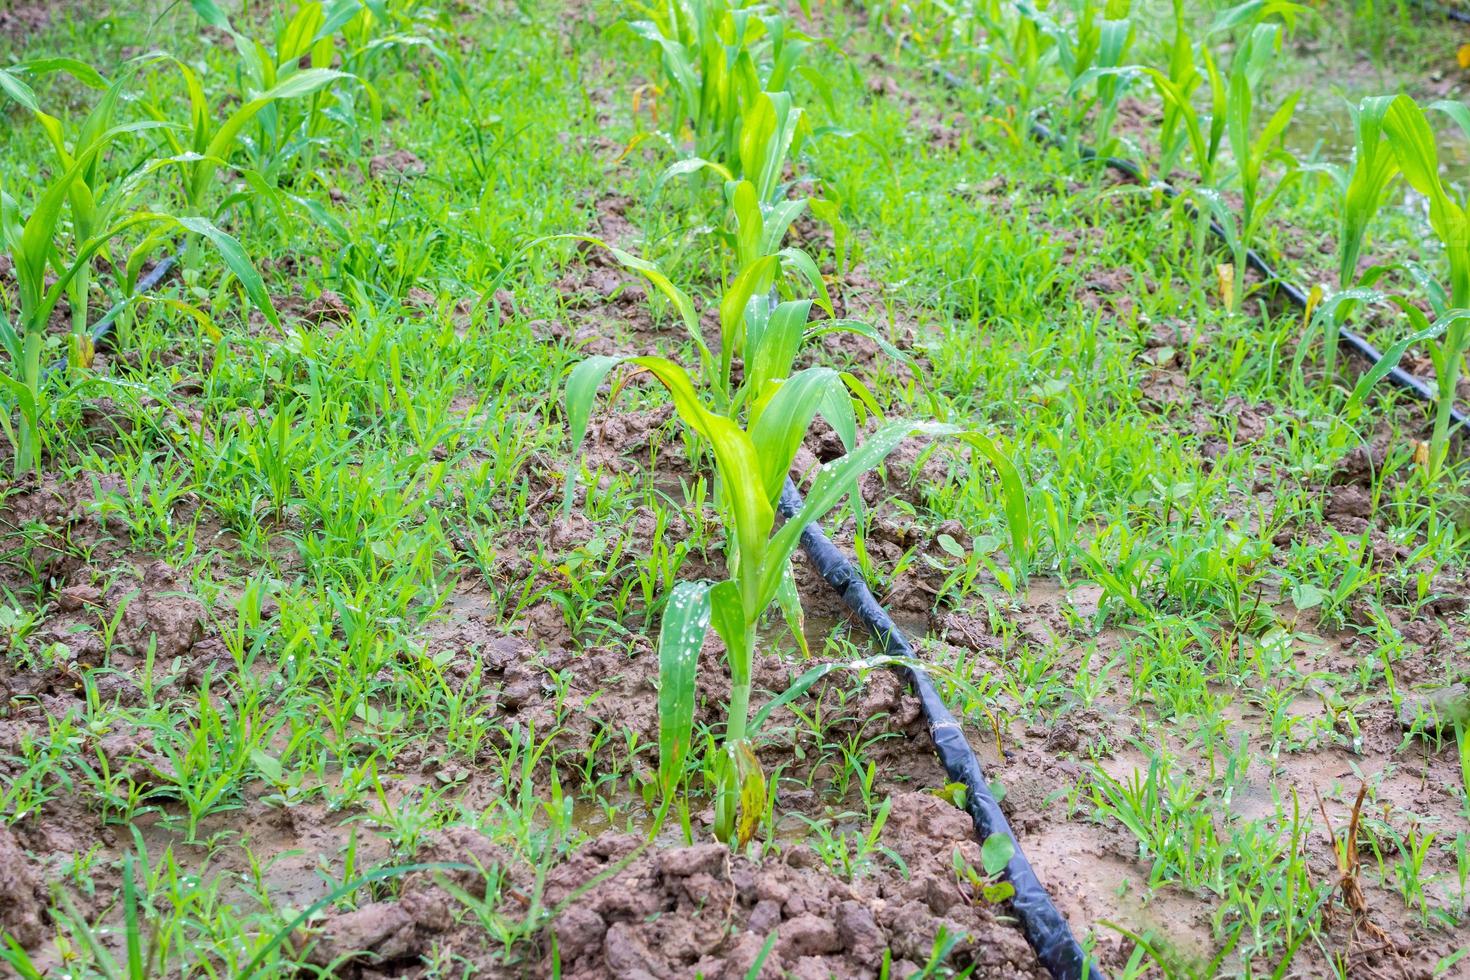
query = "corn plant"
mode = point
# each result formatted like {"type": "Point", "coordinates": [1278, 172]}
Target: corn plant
{"type": "Point", "coordinates": [1252, 150]}
{"type": "Point", "coordinates": [96, 193]}
{"type": "Point", "coordinates": [282, 87]}
{"type": "Point", "coordinates": [751, 464]}
{"type": "Point", "coordinates": [208, 144]}
{"type": "Point", "coordinates": [718, 58]}
{"type": "Point", "coordinates": [1088, 51]}
{"type": "Point", "coordinates": [1417, 155]}
{"type": "Point", "coordinates": [1364, 186]}
{"type": "Point", "coordinates": [72, 219]}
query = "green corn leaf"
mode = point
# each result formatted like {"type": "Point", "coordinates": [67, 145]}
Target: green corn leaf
{"type": "Point", "coordinates": [837, 409]}
{"type": "Point", "coordinates": [581, 390]}
{"type": "Point", "coordinates": [211, 14]}
{"type": "Point", "coordinates": [1373, 170]}
{"type": "Point", "coordinates": [780, 419]}
{"type": "Point", "coordinates": [789, 601]}
{"type": "Point", "coordinates": [737, 463]}
{"type": "Point", "coordinates": [754, 280]}
{"type": "Point", "coordinates": [1218, 105]}
{"type": "Point", "coordinates": [1390, 360]}
{"type": "Point", "coordinates": [803, 263]}
{"type": "Point", "coordinates": [296, 86]}
{"type": "Point", "coordinates": [1458, 112]}
{"type": "Point", "coordinates": [681, 302]}
{"type": "Point", "coordinates": [1414, 146]}
{"type": "Point", "coordinates": [778, 222]}
{"type": "Point", "coordinates": [772, 341]}
{"type": "Point", "coordinates": [11, 85]}
{"type": "Point", "coordinates": [681, 636]}
{"type": "Point", "coordinates": [77, 69]}
{"type": "Point", "coordinates": [1277, 124]}
{"type": "Point", "coordinates": [733, 623]}
{"type": "Point", "coordinates": [745, 205]}
{"type": "Point", "coordinates": [861, 329]}
{"type": "Point", "coordinates": [236, 261]}
{"type": "Point", "coordinates": [300, 33]}
{"type": "Point", "coordinates": [690, 165]}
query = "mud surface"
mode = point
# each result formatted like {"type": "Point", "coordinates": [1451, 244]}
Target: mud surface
{"type": "Point", "coordinates": [621, 910]}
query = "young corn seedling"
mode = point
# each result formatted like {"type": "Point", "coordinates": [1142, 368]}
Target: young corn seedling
{"type": "Point", "coordinates": [284, 84]}
{"type": "Point", "coordinates": [718, 57]}
{"type": "Point", "coordinates": [1417, 155]}
{"type": "Point", "coordinates": [1364, 187]}
{"type": "Point", "coordinates": [1252, 150]}
{"type": "Point", "coordinates": [96, 193]}
{"type": "Point", "coordinates": [205, 145]}
{"type": "Point", "coordinates": [60, 232]}
{"type": "Point", "coordinates": [1089, 51]}
{"type": "Point", "coordinates": [751, 466]}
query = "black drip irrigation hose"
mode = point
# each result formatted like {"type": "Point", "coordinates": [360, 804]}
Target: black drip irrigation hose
{"type": "Point", "coordinates": [105, 323]}
{"type": "Point", "coordinates": [1354, 342]}
{"type": "Point", "coordinates": [1043, 925]}
{"type": "Point", "coordinates": [1441, 10]}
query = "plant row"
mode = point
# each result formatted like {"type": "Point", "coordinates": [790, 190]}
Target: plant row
{"type": "Point", "coordinates": [1221, 136]}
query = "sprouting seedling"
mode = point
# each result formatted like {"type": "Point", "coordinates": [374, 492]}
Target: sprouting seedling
{"type": "Point", "coordinates": [717, 58]}
{"type": "Point", "coordinates": [751, 466]}
{"type": "Point", "coordinates": [31, 236]}
{"type": "Point", "coordinates": [1417, 155]}
{"type": "Point", "coordinates": [291, 71]}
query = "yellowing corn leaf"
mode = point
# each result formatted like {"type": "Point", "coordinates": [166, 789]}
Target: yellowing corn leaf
{"type": "Point", "coordinates": [752, 792]}
{"type": "Point", "coordinates": [1314, 298]}
{"type": "Point", "coordinates": [1463, 56]}
{"type": "Point", "coordinates": [84, 349]}
{"type": "Point", "coordinates": [1225, 280]}
{"type": "Point", "coordinates": [1421, 453]}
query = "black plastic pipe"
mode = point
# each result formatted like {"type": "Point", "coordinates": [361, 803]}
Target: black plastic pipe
{"type": "Point", "coordinates": [1441, 10]}
{"type": "Point", "coordinates": [1043, 925]}
{"type": "Point", "coordinates": [1357, 344]}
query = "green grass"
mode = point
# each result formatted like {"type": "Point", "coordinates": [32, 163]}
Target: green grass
{"type": "Point", "coordinates": [1198, 603]}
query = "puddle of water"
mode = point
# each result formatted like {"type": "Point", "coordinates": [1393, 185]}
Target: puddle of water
{"type": "Point", "coordinates": [773, 637]}
{"type": "Point", "coordinates": [1322, 131]}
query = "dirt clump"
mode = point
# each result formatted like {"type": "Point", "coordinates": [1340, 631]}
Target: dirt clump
{"type": "Point", "coordinates": [624, 910]}
{"type": "Point", "coordinates": [698, 911]}
{"type": "Point", "coordinates": [22, 897]}
{"type": "Point", "coordinates": [398, 163]}
{"type": "Point", "coordinates": [20, 20]}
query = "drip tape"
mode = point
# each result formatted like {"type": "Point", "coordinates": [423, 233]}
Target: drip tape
{"type": "Point", "coordinates": [1441, 10]}
{"type": "Point", "coordinates": [1041, 922]}
{"type": "Point", "coordinates": [1354, 342]}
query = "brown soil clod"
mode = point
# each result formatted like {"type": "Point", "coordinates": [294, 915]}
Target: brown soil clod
{"type": "Point", "coordinates": [22, 896]}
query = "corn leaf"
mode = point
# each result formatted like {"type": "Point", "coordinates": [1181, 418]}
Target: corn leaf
{"type": "Point", "coordinates": [780, 419]}
{"type": "Point", "coordinates": [789, 600]}
{"type": "Point", "coordinates": [1013, 492]}
{"type": "Point", "coordinates": [772, 340]}
{"type": "Point", "coordinates": [752, 784]}
{"type": "Point", "coordinates": [236, 260]}
{"type": "Point", "coordinates": [803, 263]}
{"type": "Point", "coordinates": [681, 636]}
